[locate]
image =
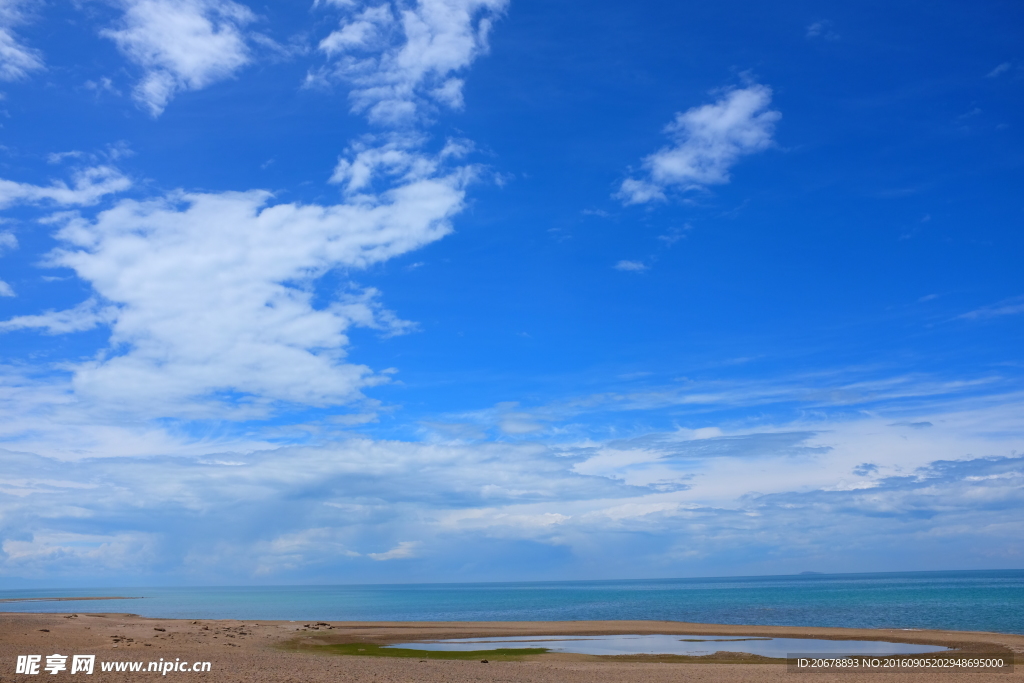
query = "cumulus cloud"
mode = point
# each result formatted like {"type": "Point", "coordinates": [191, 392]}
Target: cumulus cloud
{"type": "Point", "coordinates": [212, 298]}
{"type": "Point", "coordinates": [6, 289]}
{"type": "Point", "coordinates": [16, 59]}
{"type": "Point", "coordinates": [181, 45]}
{"type": "Point", "coordinates": [706, 142]}
{"type": "Point", "coordinates": [215, 303]}
{"type": "Point", "coordinates": [402, 58]}
{"type": "Point", "coordinates": [88, 187]}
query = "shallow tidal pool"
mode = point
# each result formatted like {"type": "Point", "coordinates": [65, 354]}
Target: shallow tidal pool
{"type": "Point", "coordinates": [693, 646]}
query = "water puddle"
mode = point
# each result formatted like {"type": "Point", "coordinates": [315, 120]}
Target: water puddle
{"type": "Point", "coordinates": [695, 646]}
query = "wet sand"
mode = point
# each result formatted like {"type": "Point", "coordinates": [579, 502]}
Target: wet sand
{"type": "Point", "coordinates": [292, 652]}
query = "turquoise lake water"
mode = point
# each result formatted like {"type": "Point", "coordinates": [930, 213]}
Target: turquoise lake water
{"type": "Point", "coordinates": [967, 601]}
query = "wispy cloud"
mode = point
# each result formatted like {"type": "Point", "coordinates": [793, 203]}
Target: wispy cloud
{"type": "Point", "coordinates": [826, 393]}
{"type": "Point", "coordinates": [59, 157]}
{"type": "Point", "coordinates": [726, 494]}
{"type": "Point", "coordinates": [17, 60]}
{"type": "Point", "coordinates": [88, 187]}
{"type": "Point", "coordinates": [631, 266]}
{"type": "Point", "coordinates": [85, 316]}
{"type": "Point", "coordinates": [403, 59]}
{"type": "Point", "coordinates": [7, 241]}
{"type": "Point", "coordinates": [706, 142]}
{"type": "Point", "coordinates": [821, 30]}
{"type": "Point", "coordinates": [1011, 306]}
{"type": "Point", "coordinates": [403, 550]}
{"type": "Point", "coordinates": [999, 70]}
{"type": "Point", "coordinates": [674, 235]}
{"type": "Point", "coordinates": [181, 45]}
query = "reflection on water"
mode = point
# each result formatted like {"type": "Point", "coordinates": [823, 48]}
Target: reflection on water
{"type": "Point", "coordinates": [678, 645]}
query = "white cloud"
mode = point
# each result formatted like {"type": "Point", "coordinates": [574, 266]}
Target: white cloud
{"type": "Point", "coordinates": [211, 298]}
{"type": "Point", "coordinates": [7, 241]}
{"type": "Point", "coordinates": [631, 266]}
{"type": "Point", "coordinates": [84, 316]}
{"type": "Point", "coordinates": [40, 412]}
{"type": "Point", "coordinates": [181, 45]}
{"type": "Point", "coordinates": [674, 235]}
{"type": "Point", "coordinates": [401, 57]}
{"type": "Point", "coordinates": [104, 84]}
{"type": "Point", "coordinates": [292, 550]}
{"type": "Point", "coordinates": [356, 503]}
{"type": "Point", "coordinates": [59, 157]}
{"type": "Point", "coordinates": [403, 550]}
{"type": "Point", "coordinates": [5, 289]}
{"type": "Point", "coordinates": [71, 550]}
{"type": "Point", "coordinates": [822, 29]}
{"type": "Point", "coordinates": [394, 159]}
{"type": "Point", "coordinates": [16, 59]}
{"type": "Point", "coordinates": [215, 303]}
{"type": "Point", "coordinates": [707, 141]}
{"type": "Point", "coordinates": [90, 185]}
{"type": "Point", "coordinates": [1012, 306]}
{"type": "Point", "coordinates": [999, 70]}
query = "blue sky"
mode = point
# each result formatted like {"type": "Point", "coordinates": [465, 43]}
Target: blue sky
{"type": "Point", "coordinates": [459, 290]}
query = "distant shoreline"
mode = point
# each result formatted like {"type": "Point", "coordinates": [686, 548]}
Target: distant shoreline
{"type": "Point", "coordinates": [65, 599]}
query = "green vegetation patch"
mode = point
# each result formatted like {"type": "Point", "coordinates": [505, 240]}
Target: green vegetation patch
{"type": "Point", "coordinates": [371, 650]}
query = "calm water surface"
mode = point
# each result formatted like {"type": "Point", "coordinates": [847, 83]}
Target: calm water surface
{"type": "Point", "coordinates": [678, 645]}
{"type": "Point", "coordinates": [967, 601]}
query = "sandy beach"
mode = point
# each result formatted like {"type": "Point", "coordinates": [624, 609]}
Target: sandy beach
{"type": "Point", "coordinates": [294, 652]}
